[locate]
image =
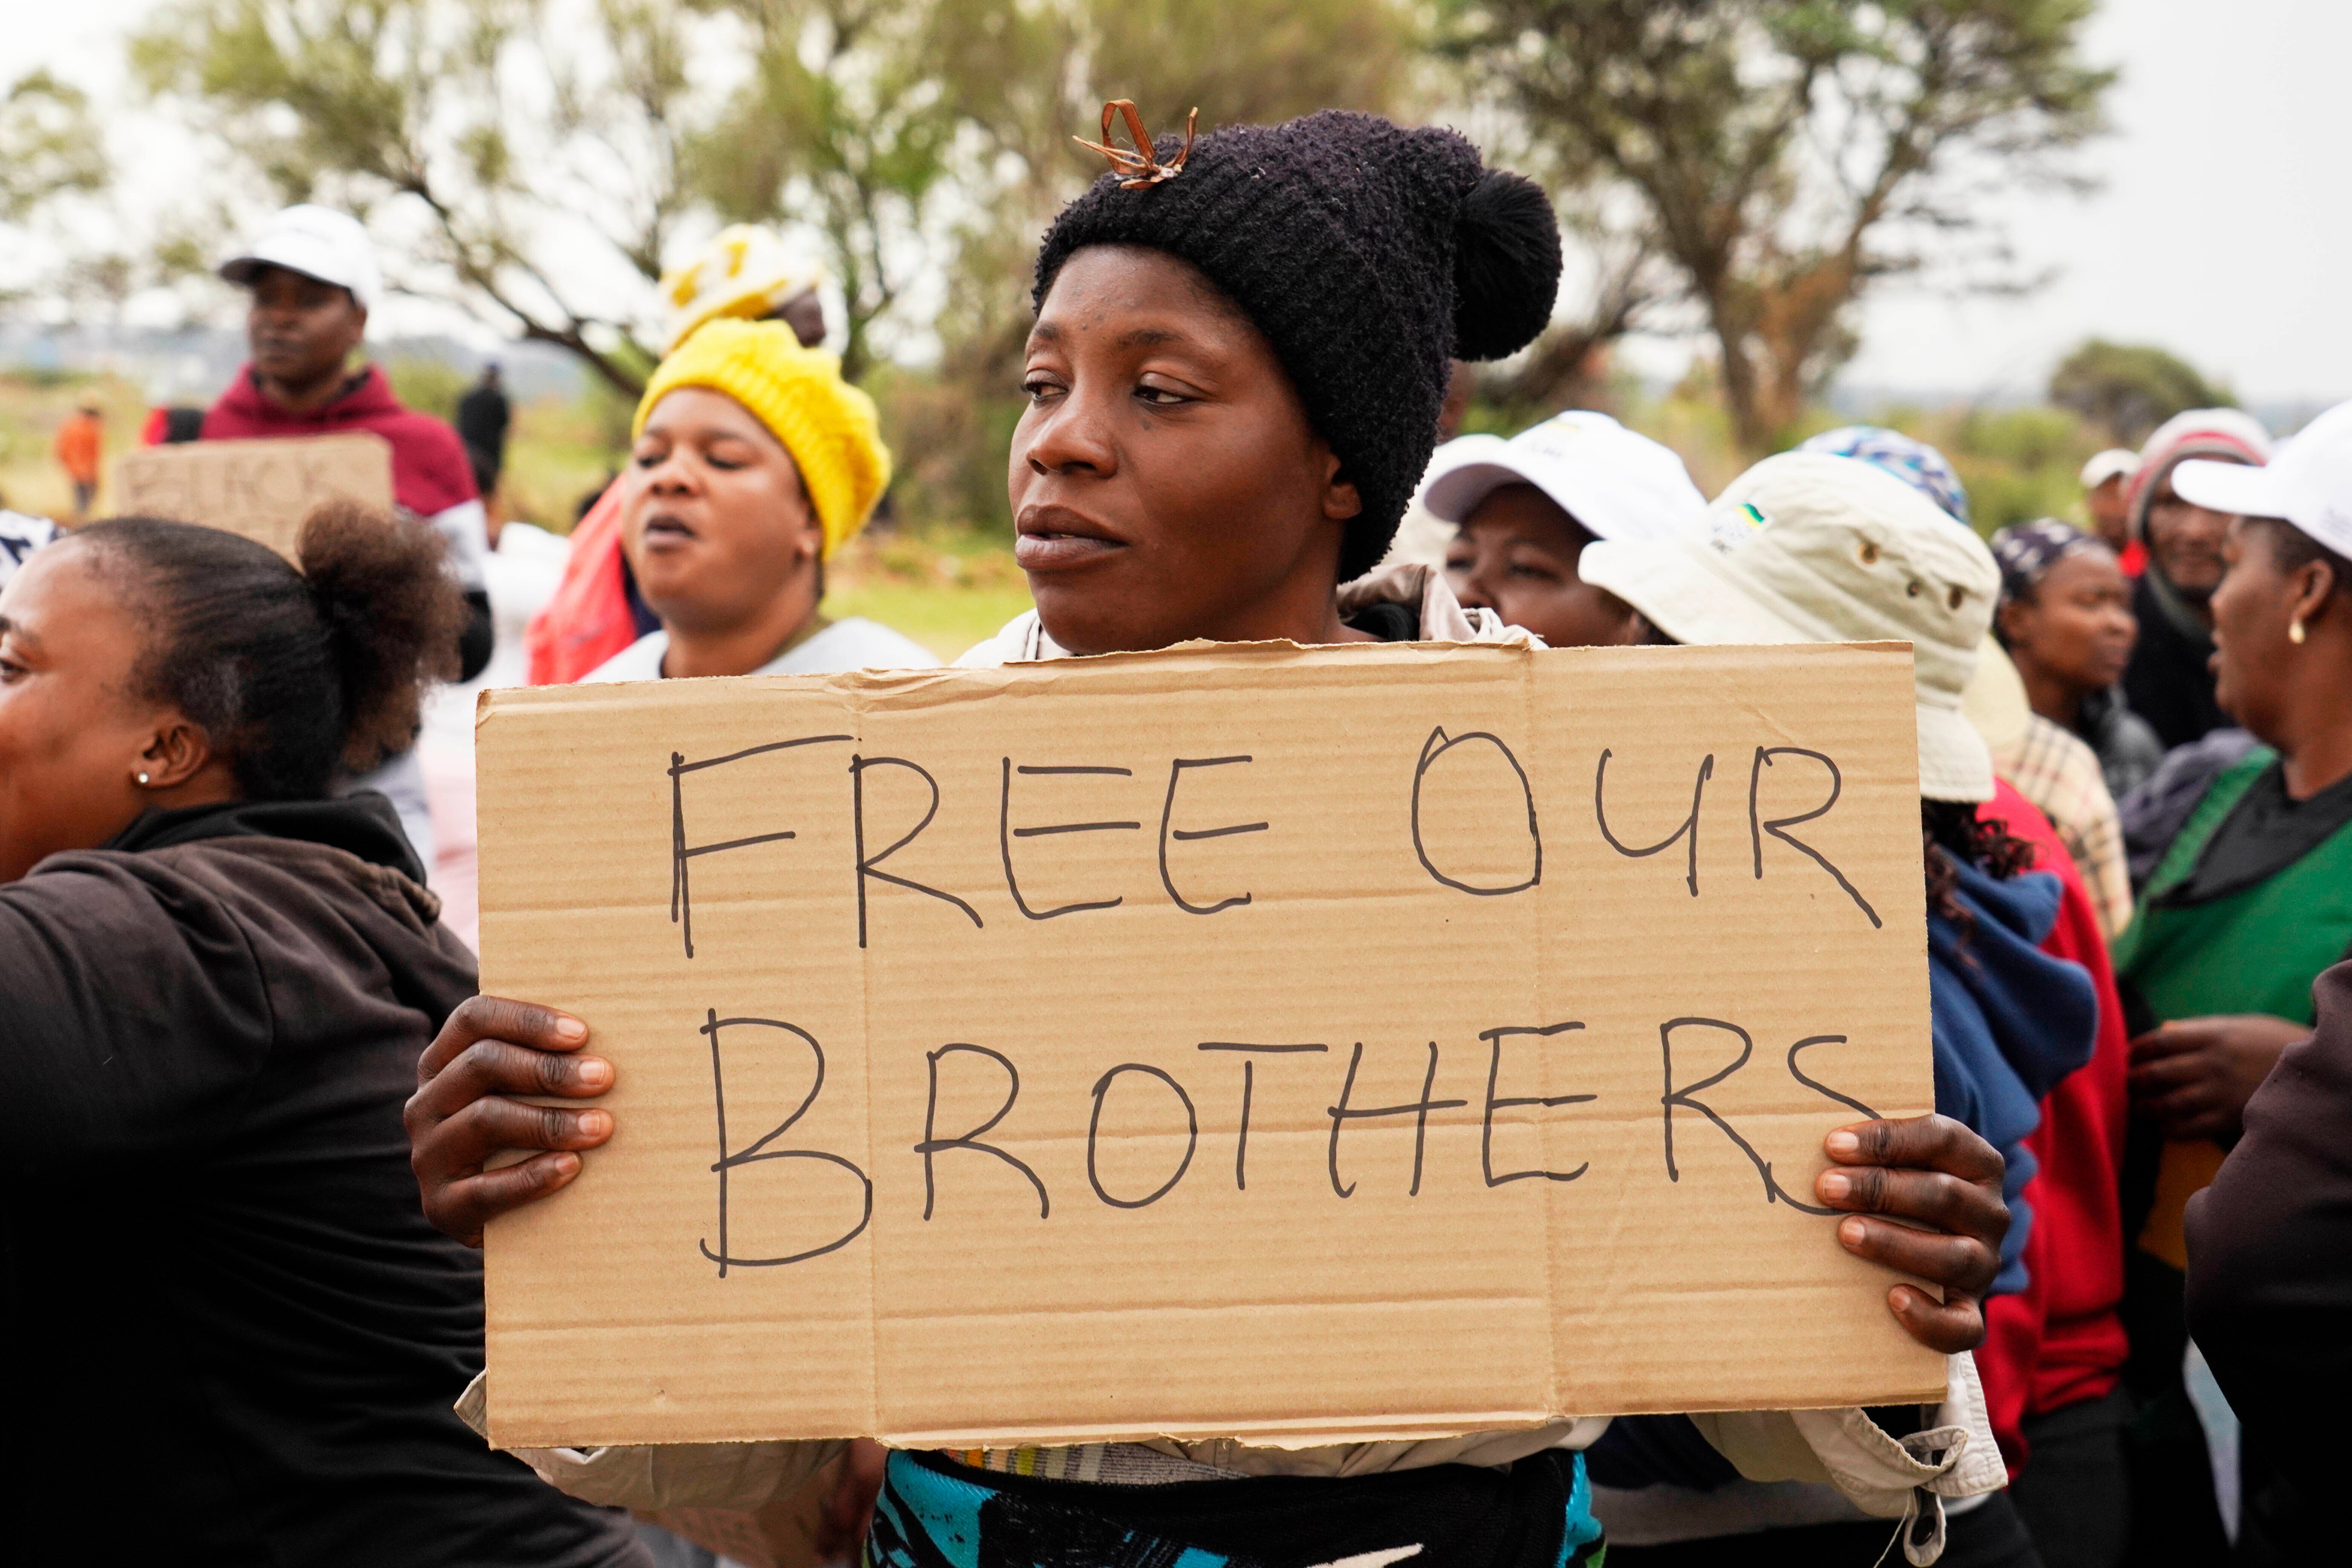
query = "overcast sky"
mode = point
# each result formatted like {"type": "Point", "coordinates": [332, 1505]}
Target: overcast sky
{"type": "Point", "coordinates": [2222, 228]}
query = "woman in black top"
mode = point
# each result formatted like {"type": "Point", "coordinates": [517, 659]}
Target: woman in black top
{"type": "Point", "coordinates": [236, 1340]}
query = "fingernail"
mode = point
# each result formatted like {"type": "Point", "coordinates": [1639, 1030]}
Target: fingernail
{"type": "Point", "coordinates": [1836, 1185]}
{"type": "Point", "coordinates": [595, 1123]}
{"type": "Point", "coordinates": [571, 1029]}
{"type": "Point", "coordinates": [1842, 1142]}
{"type": "Point", "coordinates": [1853, 1232]}
{"type": "Point", "coordinates": [594, 1071]}
{"type": "Point", "coordinates": [565, 1164]}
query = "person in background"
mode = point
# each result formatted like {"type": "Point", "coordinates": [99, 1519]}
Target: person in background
{"type": "Point", "coordinates": [82, 441]}
{"type": "Point", "coordinates": [2049, 765]}
{"type": "Point", "coordinates": [2054, 1348]}
{"type": "Point", "coordinates": [2066, 620]}
{"type": "Point", "coordinates": [2251, 900]}
{"type": "Point", "coordinates": [483, 415]}
{"type": "Point", "coordinates": [2054, 1352]}
{"type": "Point", "coordinates": [1524, 508]}
{"type": "Point", "coordinates": [753, 462]}
{"type": "Point", "coordinates": [1209, 451]}
{"type": "Point", "coordinates": [742, 273]}
{"type": "Point", "coordinates": [312, 275]}
{"type": "Point", "coordinates": [2270, 1277]}
{"type": "Point", "coordinates": [2054, 1355]}
{"type": "Point", "coordinates": [219, 974]}
{"type": "Point", "coordinates": [2106, 484]}
{"type": "Point", "coordinates": [2170, 682]}
{"type": "Point", "coordinates": [1812, 547]}
{"type": "Point", "coordinates": [2057, 774]}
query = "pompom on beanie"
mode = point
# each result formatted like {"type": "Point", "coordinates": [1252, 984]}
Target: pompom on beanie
{"type": "Point", "coordinates": [1369, 255]}
{"type": "Point", "coordinates": [827, 424]}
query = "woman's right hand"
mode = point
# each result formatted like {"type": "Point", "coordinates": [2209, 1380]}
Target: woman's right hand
{"type": "Point", "coordinates": [460, 1115]}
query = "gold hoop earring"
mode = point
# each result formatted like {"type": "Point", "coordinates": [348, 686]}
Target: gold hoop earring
{"type": "Point", "coordinates": [2294, 631]}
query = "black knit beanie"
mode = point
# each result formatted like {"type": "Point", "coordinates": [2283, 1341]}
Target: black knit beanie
{"type": "Point", "coordinates": [1370, 256]}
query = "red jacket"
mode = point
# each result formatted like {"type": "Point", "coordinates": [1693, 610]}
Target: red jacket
{"type": "Point", "coordinates": [2059, 1341]}
{"type": "Point", "coordinates": [429, 470]}
{"type": "Point", "coordinates": [587, 620]}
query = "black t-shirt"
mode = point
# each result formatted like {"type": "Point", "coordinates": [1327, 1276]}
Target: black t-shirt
{"type": "Point", "coordinates": [232, 1339]}
{"type": "Point", "coordinates": [2169, 682]}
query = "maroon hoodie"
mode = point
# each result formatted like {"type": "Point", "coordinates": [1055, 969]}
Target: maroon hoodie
{"type": "Point", "coordinates": [429, 470]}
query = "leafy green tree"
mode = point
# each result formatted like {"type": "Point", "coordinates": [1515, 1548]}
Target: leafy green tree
{"type": "Point", "coordinates": [1785, 155]}
{"type": "Point", "coordinates": [48, 144]}
{"type": "Point", "coordinates": [2129, 389]}
{"type": "Point", "coordinates": [841, 124]}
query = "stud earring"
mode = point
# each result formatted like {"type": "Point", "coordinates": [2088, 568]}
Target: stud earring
{"type": "Point", "coordinates": [142, 777]}
{"type": "Point", "coordinates": [2294, 631]}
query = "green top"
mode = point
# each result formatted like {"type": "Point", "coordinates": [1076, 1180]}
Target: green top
{"type": "Point", "coordinates": [2254, 950]}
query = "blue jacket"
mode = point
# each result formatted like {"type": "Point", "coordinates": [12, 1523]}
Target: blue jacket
{"type": "Point", "coordinates": [2009, 1022]}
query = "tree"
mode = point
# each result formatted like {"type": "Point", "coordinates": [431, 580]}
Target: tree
{"type": "Point", "coordinates": [48, 144]}
{"type": "Point", "coordinates": [536, 160]}
{"type": "Point", "coordinates": [1785, 155]}
{"type": "Point", "coordinates": [2129, 389]}
{"type": "Point", "coordinates": [842, 124]}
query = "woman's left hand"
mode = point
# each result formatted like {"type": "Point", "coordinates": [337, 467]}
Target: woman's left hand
{"type": "Point", "coordinates": [1935, 1173]}
{"type": "Point", "coordinates": [2192, 1076]}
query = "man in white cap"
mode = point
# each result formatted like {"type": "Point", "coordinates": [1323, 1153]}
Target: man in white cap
{"type": "Point", "coordinates": [2104, 480]}
{"type": "Point", "coordinates": [1525, 507]}
{"type": "Point", "coordinates": [312, 275]}
{"type": "Point", "coordinates": [2170, 682]}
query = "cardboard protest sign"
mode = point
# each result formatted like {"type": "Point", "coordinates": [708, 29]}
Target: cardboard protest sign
{"type": "Point", "coordinates": [262, 489]}
{"type": "Point", "coordinates": [1243, 1041]}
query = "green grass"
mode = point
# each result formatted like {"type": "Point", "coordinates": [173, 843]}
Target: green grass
{"type": "Point", "coordinates": [946, 617]}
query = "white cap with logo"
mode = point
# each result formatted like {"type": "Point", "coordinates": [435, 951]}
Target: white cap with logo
{"type": "Point", "coordinates": [1808, 547]}
{"type": "Point", "coordinates": [1617, 484]}
{"type": "Point", "coordinates": [318, 242]}
{"type": "Point", "coordinates": [2308, 482]}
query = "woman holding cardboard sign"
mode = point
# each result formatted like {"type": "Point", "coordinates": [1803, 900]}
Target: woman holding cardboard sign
{"type": "Point", "coordinates": [1233, 381]}
{"type": "Point", "coordinates": [237, 1339]}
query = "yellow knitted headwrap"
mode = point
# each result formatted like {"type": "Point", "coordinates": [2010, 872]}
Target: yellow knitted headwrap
{"type": "Point", "coordinates": [827, 424]}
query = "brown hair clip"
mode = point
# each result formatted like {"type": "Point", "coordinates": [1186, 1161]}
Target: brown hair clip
{"type": "Point", "coordinates": [1141, 166]}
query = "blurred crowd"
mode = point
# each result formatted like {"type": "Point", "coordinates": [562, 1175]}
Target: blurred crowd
{"type": "Point", "coordinates": [236, 815]}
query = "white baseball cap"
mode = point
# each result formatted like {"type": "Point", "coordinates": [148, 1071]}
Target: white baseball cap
{"type": "Point", "coordinates": [318, 242]}
{"type": "Point", "coordinates": [2115, 463]}
{"type": "Point", "coordinates": [2308, 481]}
{"type": "Point", "coordinates": [1808, 547]}
{"type": "Point", "coordinates": [1617, 484]}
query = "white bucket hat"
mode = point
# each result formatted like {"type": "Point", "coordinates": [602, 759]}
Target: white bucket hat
{"type": "Point", "coordinates": [2308, 482]}
{"type": "Point", "coordinates": [318, 242]}
{"type": "Point", "coordinates": [1806, 547]}
{"type": "Point", "coordinates": [1617, 484]}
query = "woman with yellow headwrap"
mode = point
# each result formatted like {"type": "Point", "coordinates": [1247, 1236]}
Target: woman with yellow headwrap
{"type": "Point", "coordinates": [753, 462]}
